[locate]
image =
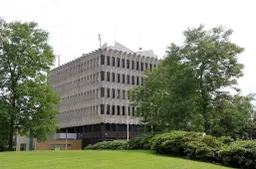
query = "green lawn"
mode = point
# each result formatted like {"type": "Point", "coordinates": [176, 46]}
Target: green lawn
{"type": "Point", "coordinates": [94, 159]}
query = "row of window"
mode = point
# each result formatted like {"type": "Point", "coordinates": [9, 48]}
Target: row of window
{"type": "Point", "coordinates": [121, 78]}
{"type": "Point", "coordinates": [129, 64]}
{"type": "Point", "coordinates": [112, 93]}
{"type": "Point", "coordinates": [117, 110]}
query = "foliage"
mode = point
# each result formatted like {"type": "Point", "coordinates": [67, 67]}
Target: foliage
{"type": "Point", "coordinates": [109, 145]}
{"type": "Point", "coordinates": [240, 154]}
{"type": "Point", "coordinates": [141, 142]}
{"type": "Point", "coordinates": [25, 59]}
{"type": "Point", "coordinates": [188, 90]}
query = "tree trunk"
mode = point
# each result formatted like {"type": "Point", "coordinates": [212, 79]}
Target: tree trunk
{"type": "Point", "coordinates": [10, 148]}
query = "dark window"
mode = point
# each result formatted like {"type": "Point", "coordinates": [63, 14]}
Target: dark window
{"type": "Point", "coordinates": [118, 78]}
{"type": "Point", "coordinates": [133, 111]}
{"type": "Point", "coordinates": [132, 65]}
{"type": "Point", "coordinates": [123, 78]}
{"type": "Point", "coordinates": [133, 80]}
{"type": "Point", "coordinates": [113, 61]}
{"type": "Point", "coordinates": [123, 94]}
{"type": "Point", "coordinates": [102, 59]}
{"type": "Point", "coordinates": [108, 76]}
{"type": "Point", "coordinates": [108, 109]}
{"type": "Point", "coordinates": [142, 81]}
{"type": "Point", "coordinates": [107, 127]}
{"type": "Point", "coordinates": [113, 127]}
{"type": "Point", "coordinates": [128, 79]}
{"type": "Point", "coordinates": [137, 65]}
{"type": "Point", "coordinates": [113, 110]}
{"type": "Point", "coordinates": [123, 110]}
{"type": "Point", "coordinates": [102, 92]}
{"type": "Point", "coordinates": [150, 66]}
{"type": "Point", "coordinates": [123, 63]}
{"type": "Point", "coordinates": [138, 80]}
{"type": "Point", "coordinates": [154, 66]}
{"type": "Point", "coordinates": [129, 111]}
{"type": "Point", "coordinates": [128, 64]}
{"type": "Point", "coordinates": [146, 66]}
{"type": "Point", "coordinates": [118, 62]}
{"type": "Point", "coordinates": [118, 93]}
{"type": "Point", "coordinates": [108, 92]}
{"type": "Point", "coordinates": [113, 77]}
{"type": "Point", "coordinates": [118, 110]}
{"type": "Point", "coordinates": [113, 93]}
{"type": "Point", "coordinates": [108, 60]}
{"type": "Point", "coordinates": [102, 108]}
{"type": "Point", "coordinates": [141, 66]}
{"type": "Point", "coordinates": [102, 76]}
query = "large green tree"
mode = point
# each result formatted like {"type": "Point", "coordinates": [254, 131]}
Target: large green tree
{"type": "Point", "coordinates": [25, 59]}
{"type": "Point", "coordinates": [190, 88]}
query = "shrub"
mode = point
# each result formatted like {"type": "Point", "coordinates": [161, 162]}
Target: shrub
{"type": "Point", "coordinates": [172, 143]}
{"type": "Point", "coordinates": [109, 145]}
{"type": "Point", "coordinates": [141, 142]}
{"type": "Point", "coordinates": [240, 154]}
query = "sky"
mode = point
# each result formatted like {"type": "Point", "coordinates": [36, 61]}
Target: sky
{"type": "Point", "coordinates": [151, 24]}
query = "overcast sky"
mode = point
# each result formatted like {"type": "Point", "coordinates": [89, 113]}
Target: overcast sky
{"type": "Point", "coordinates": [151, 24]}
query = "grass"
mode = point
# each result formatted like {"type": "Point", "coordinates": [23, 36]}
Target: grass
{"type": "Point", "coordinates": [94, 159]}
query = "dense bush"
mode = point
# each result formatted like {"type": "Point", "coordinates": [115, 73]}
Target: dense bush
{"type": "Point", "coordinates": [141, 142]}
{"type": "Point", "coordinates": [240, 154]}
{"type": "Point", "coordinates": [109, 145]}
{"type": "Point", "coordinates": [172, 143]}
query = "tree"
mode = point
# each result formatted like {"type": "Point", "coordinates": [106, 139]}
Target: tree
{"type": "Point", "coordinates": [188, 90]}
{"type": "Point", "coordinates": [25, 59]}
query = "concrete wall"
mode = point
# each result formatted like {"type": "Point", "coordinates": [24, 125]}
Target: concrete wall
{"type": "Point", "coordinates": [49, 145]}
{"type": "Point", "coordinates": [22, 140]}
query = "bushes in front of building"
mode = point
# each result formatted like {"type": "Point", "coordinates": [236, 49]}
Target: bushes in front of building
{"type": "Point", "coordinates": [141, 142]}
{"type": "Point", "coordinates": [109, 145]}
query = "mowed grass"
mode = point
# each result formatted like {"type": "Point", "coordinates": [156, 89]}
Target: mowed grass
{"type": "Point", "coordinates": [94, 159]}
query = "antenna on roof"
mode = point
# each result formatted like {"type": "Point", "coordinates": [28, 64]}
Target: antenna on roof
{"type": "Point", "coordinates": [100, 40]}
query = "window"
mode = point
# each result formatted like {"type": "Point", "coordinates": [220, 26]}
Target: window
{"type": "Point", "coordinates": [113, 93]}
{"type": "Point", "coordinates": [118, 110]}
{"type": "Point", "coordinates": [133, 80]}
{"type": "Point", "coordinates": [118, 93]}
{"type": "Point", "coordinates": [123, 110]}
{"type": "Point", "coordinates": [118, 78]}
{"type": "Point", "coordinates": [108, 76]}
{"type": "Point", "coordinates": [108, 92]}
{"type": "Point", "coordinates": [22, 146]}
{"type": "Point", "coordinates": [102, 108]}
{"type": "Point", "coordinates": [154, 66]}
{"type": "Point", "coordinates": [132, 65]}
{"type": "Point", "coordinates": [123, 94]}
{"type": "Point", "coordinates": [123, 63]}
{"type": "Point", "coordinates": [146, 65]}
{"type": "Point", "coordinates": [113, 77]}
{"type": "Point", "coordinates": [108, 60]}
{"type": "Point", "coordinates": [113, 61]}
{"type": "Point", "coordinates": [113, 109]}
{"type": "Point", "coordinates": [123, 79]}
{"type": "Point", "coordinates": [150, 66]}
{"type": "Point", "coordinates": [102, 92]}
{"type": "Point", "coordinates": [118, 62]}
{"type": "Point", "coordinates": [128, 79]}
{"type": "Point", "coordinates": [141, 66]}
{"type": "Point", "coordinates": [133, 111]}
{"type": "Point", "coordinates": [108, 109]}
{"type": "Point", "coordinates": [137, 65]}
{"type": "Point", "coordinates": [129, 111]}
{"type": "Point", "coordinates": [138, 80]}
{"type": "Point", "coordinates": [128, 64]}
{"type": "Point", "coordinates": [142, 81]}
{"type": "Point", "coordinates": [102, 76]}
{"type": "Point", "coordinates": [102, 59]}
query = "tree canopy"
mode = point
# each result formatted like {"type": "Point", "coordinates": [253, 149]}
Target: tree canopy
{"type": "Point", "coordinates": [27, 102]}
{"type": "Point", "coordinates": [191, 88]}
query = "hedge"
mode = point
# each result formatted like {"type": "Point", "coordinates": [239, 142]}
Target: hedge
{"type": "Point", "coordinates": [109, 145]}
{"type": "Point", "coordinates": [141, 142]}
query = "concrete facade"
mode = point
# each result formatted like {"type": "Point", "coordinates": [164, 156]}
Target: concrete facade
{"type": "Point", "coordinates": [93, 87]}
